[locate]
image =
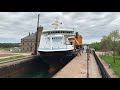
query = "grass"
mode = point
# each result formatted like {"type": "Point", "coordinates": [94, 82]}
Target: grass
{"type": "Point", "coordinates": [19, 52]}
{"type": "Point", "coordinates": [115, 66]}
{"type": "Point", "coordinates": [27, 53]}
{"type": "Point", "coordinates": [11, 58]}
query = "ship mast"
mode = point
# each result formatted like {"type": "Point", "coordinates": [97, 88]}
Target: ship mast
{"type": "Point", "coordinates": [57, 23]}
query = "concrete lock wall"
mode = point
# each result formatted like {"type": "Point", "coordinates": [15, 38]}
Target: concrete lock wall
{"type": "Point", "coordinates": [18, 69]}
{"type": "Point", "coordinates": [14, 70]}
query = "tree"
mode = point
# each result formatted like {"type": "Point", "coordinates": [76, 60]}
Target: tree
{"type": "Point", "coordinates": [118, 47]}
{"type": "Point", "coordinates": [115, 36]}
{"type": "Point", "coordinates": [9, 45]}
{"type": "Point", "coordinates": [106, 43]}
{"type": "Point", "coordinates": [96, 46]}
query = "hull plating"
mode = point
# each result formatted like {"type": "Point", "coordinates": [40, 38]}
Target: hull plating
{"type": "Point", "coordinates": [57, 58]}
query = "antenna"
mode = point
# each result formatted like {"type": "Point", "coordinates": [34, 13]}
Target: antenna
{"type": "Point", "coordinates": [38, 20]}
{"type": "Point", "coordinates": [57, 23]}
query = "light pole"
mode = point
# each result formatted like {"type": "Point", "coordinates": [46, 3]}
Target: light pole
{"type": "Point", "coordinates": [87, 62]}
{"type": "Point", "coordinates": [36, 40]}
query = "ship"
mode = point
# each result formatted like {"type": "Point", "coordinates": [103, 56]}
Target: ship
{"type": "Point", "coordinates": [55, 45]}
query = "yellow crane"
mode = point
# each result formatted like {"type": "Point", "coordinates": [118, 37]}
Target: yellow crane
{"type": "Point", "coordinates": [77, 40]}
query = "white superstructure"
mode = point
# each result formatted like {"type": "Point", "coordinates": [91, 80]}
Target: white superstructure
{"type": "Point", "coordinates": [56, 39]}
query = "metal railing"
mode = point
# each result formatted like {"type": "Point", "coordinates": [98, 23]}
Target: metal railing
{"type": "Point", "coordinates": [103, 71]}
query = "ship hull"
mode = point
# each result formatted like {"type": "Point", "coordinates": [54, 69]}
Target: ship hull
{"type": "Point", "coordinates": [57, 58]}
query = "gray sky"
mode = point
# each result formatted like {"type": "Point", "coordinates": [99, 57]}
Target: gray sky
{"type": "Point", "coordinates": [91, 25]}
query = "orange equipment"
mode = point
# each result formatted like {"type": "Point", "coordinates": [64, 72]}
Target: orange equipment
{"type": "Point", "coordinates": [77, 40]}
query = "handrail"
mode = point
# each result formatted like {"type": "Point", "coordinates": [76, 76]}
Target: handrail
{"type": "Point", "coordinates": [103, 71]}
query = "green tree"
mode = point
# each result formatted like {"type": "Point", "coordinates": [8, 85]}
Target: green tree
{"type": "Point", "coordinates": [115, 36]}
{"type": "Point", "coordinates": [106, 43]}
{"type": "Point", "coordinates": [96, 46]}
{"type": "Point", "coordinates": [9, 45]}
{"type": "Point", "coordinates": [118, 47]}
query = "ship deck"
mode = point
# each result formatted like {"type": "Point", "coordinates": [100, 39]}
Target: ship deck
{"type": "Point", "coordinates": [53, 50]}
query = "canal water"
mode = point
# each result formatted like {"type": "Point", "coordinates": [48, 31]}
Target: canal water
{"type": "Point", "coordinates": [38, 69]}
{"type": "Point", "coordinates": [41, 69]}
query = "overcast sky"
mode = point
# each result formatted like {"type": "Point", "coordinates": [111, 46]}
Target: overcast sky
{"type": "Point", "coordinates": [91, 25]}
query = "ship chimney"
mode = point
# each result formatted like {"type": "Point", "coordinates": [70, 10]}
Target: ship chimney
{"type": "Point", "coordinates": [76, 34]}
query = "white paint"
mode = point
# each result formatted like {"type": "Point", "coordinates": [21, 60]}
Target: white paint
{"type": "Point", "coordinates": [55, 41]}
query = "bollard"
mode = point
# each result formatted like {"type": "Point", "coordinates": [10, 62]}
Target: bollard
{"type": "Point", "coordinates": [109, 65]}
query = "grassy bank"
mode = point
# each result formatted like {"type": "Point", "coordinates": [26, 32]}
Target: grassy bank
{"type": "Point", "coordinates": [114, 66]}
{"type": "Point", "coordinates": [11, 58]}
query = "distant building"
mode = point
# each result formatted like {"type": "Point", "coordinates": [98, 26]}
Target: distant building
{"type": "Point", "coordinates": [17, 49]}
{"type": "Point", "coordinates": [28, 42]}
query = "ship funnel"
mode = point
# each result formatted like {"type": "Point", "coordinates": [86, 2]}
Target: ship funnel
{"type": "Point", "coordinates": [76, 35]}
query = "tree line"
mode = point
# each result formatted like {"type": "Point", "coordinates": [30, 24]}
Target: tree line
{"type": "Point", "coordinates": [110, 42]}
{"type": "Point", "coordinates": [9, 45]}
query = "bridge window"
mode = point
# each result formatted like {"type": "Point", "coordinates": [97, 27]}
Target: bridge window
{"type": "Point", "coordinates": [55, 32]}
